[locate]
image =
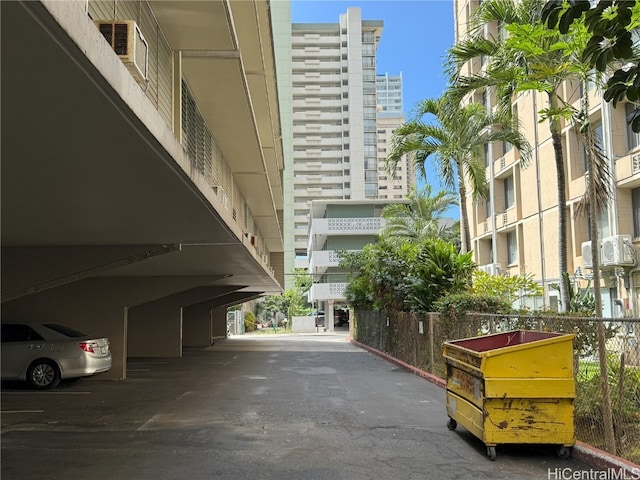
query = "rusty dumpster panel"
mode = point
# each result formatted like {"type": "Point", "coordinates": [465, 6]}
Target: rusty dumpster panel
{"type": "Point", "coordinates": [513, 387]}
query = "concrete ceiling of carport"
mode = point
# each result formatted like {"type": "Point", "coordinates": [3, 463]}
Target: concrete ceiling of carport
{"type": "Point", "coordinates": [75, 171]}
{"type": "Point", "coordinates": [219, 80]}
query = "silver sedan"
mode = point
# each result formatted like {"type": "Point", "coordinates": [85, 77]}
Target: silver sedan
{"type": "Point", "coordinates": [44, 353]}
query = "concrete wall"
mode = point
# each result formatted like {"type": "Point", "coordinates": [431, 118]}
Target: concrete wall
{"type": "Point", "coordinates": [196, 326]}
{"type": "Point", "coordinates": [306, 324]}
{"type": "Point", "coordinates": [155, 329]}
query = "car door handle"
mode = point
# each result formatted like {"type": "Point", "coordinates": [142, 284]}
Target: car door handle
{"type": "Point", "coordinates": [35, 347]}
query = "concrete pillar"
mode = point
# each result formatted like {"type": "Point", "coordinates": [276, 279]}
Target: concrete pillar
{"type": "Point", "coordinates": [219, 322]}
{"type": "Point", "coordinates": [196, 326]}
{"type": "Point", "coordinates": [155, 329]}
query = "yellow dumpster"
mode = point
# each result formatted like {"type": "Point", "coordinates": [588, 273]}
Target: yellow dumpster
{"type": "Point", "coordinates": [513, 387]}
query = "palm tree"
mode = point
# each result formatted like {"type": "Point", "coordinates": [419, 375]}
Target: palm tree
{"type": "Point", "coordinates": [530, 57]}
{"type": "Point", "coordinates": [419, 219]}
{"type": "Point", "coordinates": [456, 144]}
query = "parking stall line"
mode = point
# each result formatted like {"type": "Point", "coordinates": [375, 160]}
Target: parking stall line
{"type": "Point", "coordinates": [46, 393]}
{"type": "Point", "coordinates": [5, 412]}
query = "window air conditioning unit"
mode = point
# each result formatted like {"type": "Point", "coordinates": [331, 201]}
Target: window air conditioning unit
{"type": "Point", "coordinates": [491, 268]}
{"type": "Point", "coordinates": [129, 44]}
{"type": "Point", "coordinates": [617, 250]}
{"type": "Point", "coordinates": [587, 258]}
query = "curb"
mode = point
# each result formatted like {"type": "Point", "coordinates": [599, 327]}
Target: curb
{"type": "Point", "coordinates": [592, 456]}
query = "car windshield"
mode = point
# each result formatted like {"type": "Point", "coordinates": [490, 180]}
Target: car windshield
{"type": "Point", "coordinates": [69, 332]}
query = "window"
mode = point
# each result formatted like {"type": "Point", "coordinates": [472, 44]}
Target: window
{"type": "Point", "coordinates": [512, 248]}
{"type": "Point", "coordinates": [597, 129]}
{"type": "Point", "coordinates": [633, 138]}
{"type": "Point", "coordinates": [509, 193]}
{"type": "Point", "coordinates": [19, 333]}
{"type": "Point", "coordinates": [635, 209]}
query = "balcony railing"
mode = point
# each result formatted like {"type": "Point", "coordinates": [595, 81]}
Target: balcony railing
{"type": "Point", "coordinates": [347, 226]}
{"type": "Point", "coordinates": [327, 291]}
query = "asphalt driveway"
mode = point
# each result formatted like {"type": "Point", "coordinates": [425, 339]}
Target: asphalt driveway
{"type": "Point", "coordinates": [254, 407]}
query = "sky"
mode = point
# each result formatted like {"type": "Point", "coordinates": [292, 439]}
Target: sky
{"type": "Point", "coordinates": [415, 37]}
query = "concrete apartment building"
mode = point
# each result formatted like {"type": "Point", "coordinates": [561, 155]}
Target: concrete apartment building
{"type": "Point", "coordinates": [515, 231]}
{"type": "Point", "coordinates": [141, 167]}
{"type": "Point", "coordinates": [333, 81]}
{"type": "Point", "coordinates": [338, 225]}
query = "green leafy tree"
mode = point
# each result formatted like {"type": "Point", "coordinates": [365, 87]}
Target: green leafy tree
{"type": "Point", "coordinates": [420, 219]}
{"type": "Point", "coordinates": [378, 274]}
{"type": "Point", "coordinates": [455, 141]}
{"type": "Point", "coordinates": [508, 288]}
{"type": "Point", "coordinates": [439, 270]}
{"type": "Point", "coordinates": [610, 46]}
{"type": "Point", "coordinates": [271, 305]}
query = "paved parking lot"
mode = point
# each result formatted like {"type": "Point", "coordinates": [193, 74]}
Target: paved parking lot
{"type": "Point", "coordinates": [254, 407]}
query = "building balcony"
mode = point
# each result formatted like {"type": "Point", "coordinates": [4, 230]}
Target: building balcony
{"type": "Point", "coordinates": [303, 41]}
{"type": "Point", "coordinates": [318, 129]}
{"type": "Point", "coordinates": [327, 291]}
{"type": "Point", "coordinates": [316, 65]}
{"type": "Point", "coordinates": [347, 226]}
{"type": "Point", "coordinates": [317, 103]}
{"type": "Point", "coordinates": [316, 141]}
{"type": "Point", "coordinates": [628, 168]}
{"type": "Point", "coordinates": [317, 115]}
{"type": "Point", "coordinates": [312, 179]}
{"type": "Point", "coordinates": [506, 218]}
{"type": "Point", "coordinates": [506, 161]}
{"type": "Point", "coordinates": [317, 153]}
{"type": "Point", "coordinates": [311, 89]}
{"type": "Point", "coordinates": [323, 259]}
{"type": "Point", "coordinates": [485, 227]}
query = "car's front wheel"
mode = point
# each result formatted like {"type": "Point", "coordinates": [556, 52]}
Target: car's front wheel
{"type": "Point", "coordinates": [43, 374]}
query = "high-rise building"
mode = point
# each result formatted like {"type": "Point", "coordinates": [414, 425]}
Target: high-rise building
{"type": "Point", "coordinates": [391, 185]}
{"type": "Point", "coordinates": [389, 91]}
{"type": "Point", "coordinates": [516, 230]}
{"type": "Point", "coordinates": [333, 85]}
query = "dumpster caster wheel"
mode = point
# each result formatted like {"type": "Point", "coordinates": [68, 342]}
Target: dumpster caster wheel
{"type": "Point", "coordinates": [564, 452]}
{"type": "Point", "coordinates": [491, 453]}
{"type": "Point", "coordinates": [452, 424]}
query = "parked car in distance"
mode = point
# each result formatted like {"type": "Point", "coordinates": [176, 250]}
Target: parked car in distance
{"type": "Point", "coordinates": [42, 354]}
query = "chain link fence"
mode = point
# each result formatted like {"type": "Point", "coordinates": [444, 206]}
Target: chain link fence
{"type": "Point", "coordinates": [418, 340]}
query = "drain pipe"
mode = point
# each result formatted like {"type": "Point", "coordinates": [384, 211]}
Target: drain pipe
{"type": "Point", "coordinates": [539, 195]}
{"type": "Point", "coordinates": [635, 308]}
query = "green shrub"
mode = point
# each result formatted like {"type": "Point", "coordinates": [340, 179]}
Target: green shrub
{"type": "Point", "coordinates": [453, 309]}
{"type": "Point", "coordinates": [457, 305]}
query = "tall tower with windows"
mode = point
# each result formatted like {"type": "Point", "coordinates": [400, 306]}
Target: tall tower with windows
{"type": "Point", "coordinates": [334, 142]}
{"type": "Point", "coordinates": [391, 185]}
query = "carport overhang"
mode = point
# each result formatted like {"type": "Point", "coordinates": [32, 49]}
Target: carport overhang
{"type": "Point", "coordinates": [93, 187]}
